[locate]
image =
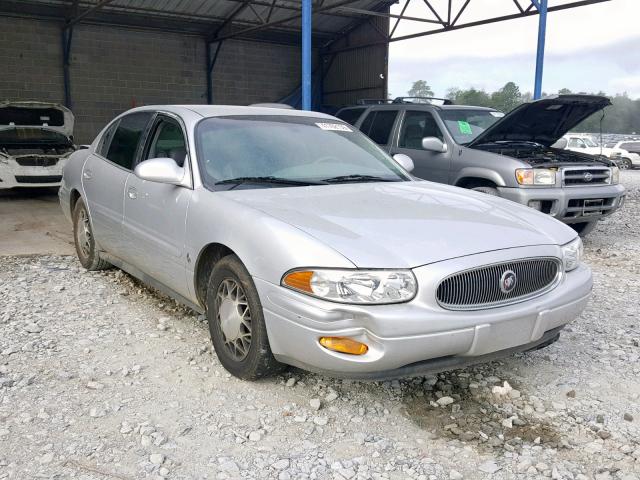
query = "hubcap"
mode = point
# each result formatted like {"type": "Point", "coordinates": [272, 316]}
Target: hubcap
{"type": "Point", "coordinates": [83, 234]}
{"type": "Point", "coordinates": [234, 317]}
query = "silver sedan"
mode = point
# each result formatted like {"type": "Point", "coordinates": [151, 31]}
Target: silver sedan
{"type": "Point", "coordinates": [305, 244]}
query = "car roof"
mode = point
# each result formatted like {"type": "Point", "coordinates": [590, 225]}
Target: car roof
{"type": "Point", "coordinates": [206, 111]}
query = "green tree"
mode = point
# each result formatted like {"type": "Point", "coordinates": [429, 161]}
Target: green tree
{"type": "Point", "coordinates": [420, 88]}
{"type": "Point", "coordinates": [507, 98]}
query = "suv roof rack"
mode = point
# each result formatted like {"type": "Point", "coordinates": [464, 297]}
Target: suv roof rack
{"type": "Point", "coordinates": [445, 101]}
{"type": "Point", "coordinates": [373, 101]}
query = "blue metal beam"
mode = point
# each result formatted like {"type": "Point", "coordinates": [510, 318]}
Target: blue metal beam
{"type": "Point", "coordinates": [541, 5]}
{"type": "Point", "coordinates": [306, 54]}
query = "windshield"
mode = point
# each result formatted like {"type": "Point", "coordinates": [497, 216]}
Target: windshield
{"type": "Point", "coordinates": [284, 150]}
{"type": "Point", "coordinates": [465, 125]}
{"type": "Point", "coordinates": [31, 136]}
{"type": "Point", "coordinates": [590, 143]}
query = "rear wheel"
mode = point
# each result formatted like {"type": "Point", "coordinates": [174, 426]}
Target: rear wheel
{"type": "Point", "coordinates": [625, 163]}
{"type": "Point", "coordinates": [84, 240]}
{"type": "Point", "coordinates": [236, 322]}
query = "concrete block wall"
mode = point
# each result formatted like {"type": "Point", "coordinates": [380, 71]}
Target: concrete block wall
{"type": "Point", "coordinates": [113, 69]}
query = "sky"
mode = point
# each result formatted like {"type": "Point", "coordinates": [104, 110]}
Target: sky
{"type": "Point", "coordinates": [588, 49]}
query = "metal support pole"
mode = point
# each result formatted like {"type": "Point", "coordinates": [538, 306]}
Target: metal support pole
{"type": "Point", "coordinates": [542, 32]}
{"type": "Point", "coordinates": [211, 62]}
{"type": "Point", "coordinates": [67, 35]}
{"type": "Point", "coordinates": [306, 54]}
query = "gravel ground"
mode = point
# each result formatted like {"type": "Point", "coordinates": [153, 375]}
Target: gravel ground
{"type": "Point", "coordinates": [102, 378]}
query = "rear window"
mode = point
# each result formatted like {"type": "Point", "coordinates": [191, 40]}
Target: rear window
{"type": "Point", "coordinates": [378, 125]}
{"type": "Point", "coordinates": [350, 115]}
{"type": "Point", "coordinates": [124, 144]}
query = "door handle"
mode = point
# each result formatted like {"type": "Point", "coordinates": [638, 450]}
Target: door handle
{"type": "Point", "coordinates": [87, 174]}
{"type": "Point", "coordinates": [132, 193]}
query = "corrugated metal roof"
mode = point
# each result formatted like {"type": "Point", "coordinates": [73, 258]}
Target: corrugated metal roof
{"type": "Point", "coordinates": [205, 16]}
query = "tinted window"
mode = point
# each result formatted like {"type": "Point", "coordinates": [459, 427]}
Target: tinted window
{"type": "Point", "coordinates": [105, 141]}
{"type": "Point", "coordinates": [378, 125]}
{"type": "Point", "coordinates": [631, 146]}
{"type": "Point", "coordinates": [126, 138]}
{"type": "Point", "coordinates": [415, 127]}
{"type": "Point", "coordinates": [168, 141]}
{"type": "Point", "coordinates": [350, 115]}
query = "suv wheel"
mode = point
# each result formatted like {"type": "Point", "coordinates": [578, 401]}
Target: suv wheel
{"type": "Point", "coordinates": [236, 322]}
{"type": "Point", "coordinates": [625, 163]}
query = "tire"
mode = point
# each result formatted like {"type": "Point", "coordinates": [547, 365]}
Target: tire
{"type": "Point", "coordinates": [236, 322]}
{"type": "Point", "coordinates": [584, 228]}
{"type": "Point", "coordinates": [84, 241]}
{"type": "Point", "coordinates": [625, 164]}
{"type": "Point", "coordinates": [487, 190]}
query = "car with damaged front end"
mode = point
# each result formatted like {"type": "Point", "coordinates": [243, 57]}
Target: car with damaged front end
{"type": "Point", "coordinates": [36, 138]}
{"type": "Point", "coordinates": [306, 244]}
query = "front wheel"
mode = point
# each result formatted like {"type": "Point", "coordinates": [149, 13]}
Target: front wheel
{"type": "Point", "coordinates": [584, 228]}
{"type": "Point", "coordinates": [236, 322]}
{"type": "Point", "coordinates": [625, 164]}
{"type": "Point", "coordinates": [84, 240]}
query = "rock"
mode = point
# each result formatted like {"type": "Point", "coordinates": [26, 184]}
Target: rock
{"type": "Point", "coordinates": [444, 401]}
{"type": "Point", "coordinates": [156, 458]}
{"type": "Point", "coordinates": [46, 458]}
{"type": "Point", "coordinates": [125, 428]}
{"type": "Point", "coordinates": [321, 421]}
{"type": "Point", "coordinates": [255, 436]}
{"type": "Point", "coordinates": [490, 466]}
{"type": "Point", "coordinates": [628, 417]}
{"type": "Point", "coordinates": [281, 464]}
{"type": "Point", "coordinates": [314, 403]}
{"type": "Point", "coordinates": [502, 390]}
{"type": "Point", "coordinates": [571, 394]}
{"type": "Point", "coordinates": [291, 382]}
{"type": "Point", "coordinates": [603, 434]}
{"type": "Point", "coordinates": [331, 396]}
{"type": "Point", "coordinates": [455, 475]}
{"type": "Point", "coordinates": [33, 328]}
{"type": "Point", "coordinates": [95, 386]}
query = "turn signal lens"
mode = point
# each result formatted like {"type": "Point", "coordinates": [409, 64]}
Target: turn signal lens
{"type": "Point", "coordinates": [344, 345]}
{"type": "Point", "coordinates": [300, 280]}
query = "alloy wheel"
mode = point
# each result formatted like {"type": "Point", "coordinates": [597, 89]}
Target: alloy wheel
{"type": "Point", "coordinates": [234, 317]}
{"type": "Point", "coordinates": [83, 233]}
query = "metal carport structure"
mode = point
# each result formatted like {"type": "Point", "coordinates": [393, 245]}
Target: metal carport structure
{"type": "Point", "coordinates": [330, 28]}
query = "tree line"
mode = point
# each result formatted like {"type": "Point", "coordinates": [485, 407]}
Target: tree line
{"type": "Point", "coordinates": [622, 117]}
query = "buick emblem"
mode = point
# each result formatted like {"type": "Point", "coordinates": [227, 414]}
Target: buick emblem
{"type": "Point", "coordinates": [508, 281]}
{"type": "Point", "coordinates": [588, 176]}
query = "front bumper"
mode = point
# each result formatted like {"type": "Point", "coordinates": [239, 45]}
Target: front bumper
{"type": "Point", "coordinates": [571, 204]}
{"type": "Point", "coordinates": [14, 175]}
{"type": "Point", "coordinates": [418, 337]}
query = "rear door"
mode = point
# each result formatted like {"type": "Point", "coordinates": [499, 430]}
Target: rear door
{"type": "Point", "coordinates": [416, 125]}
{"type": "Point", "coordinates": [104, 176]}
{"type": "Point", "coordinates": [155, 213]}
{"type": "Point", "coordinates": [379, 126]}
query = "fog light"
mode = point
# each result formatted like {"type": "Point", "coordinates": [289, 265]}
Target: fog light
{"type": "Point", "coordinates": [344, 345]}
{"type": "Point", "coordinates": [535, 204]}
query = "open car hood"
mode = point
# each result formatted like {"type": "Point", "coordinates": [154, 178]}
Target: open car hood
{"type": "Point", "coordinates": [36, 116]}
{"type": "Point", "coordinates": [543, 121]}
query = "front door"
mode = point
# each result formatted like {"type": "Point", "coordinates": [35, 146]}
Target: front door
{"type": "Point", "coordinates": [155, 213]}
{"type": "Point", "coordinates": [417, 125]}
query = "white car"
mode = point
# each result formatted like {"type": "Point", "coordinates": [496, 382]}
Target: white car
{"type": "Point", "coordinates": [36, 138]}
{"type": "Point", "coordinates": [586, 144]}
{"type": "Point", "coordinates": [626, 154]}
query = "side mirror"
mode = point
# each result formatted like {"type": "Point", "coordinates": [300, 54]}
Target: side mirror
{"type": "Point", "coordinates": [160, 170]}
{"type": "Point", "coordinates": [434, 144]}
{"type": "Point", "coordinates": [404, 161]}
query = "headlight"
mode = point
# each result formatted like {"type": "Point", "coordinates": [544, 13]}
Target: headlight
{"type": "Point", "coordinates": [615, 175]}
{"type": "Point", "coordinates": [354, 286]}
{"type": "Point", "coordinates": [535, 176]}
{"type": "Point", "coordinates": [572, 254]}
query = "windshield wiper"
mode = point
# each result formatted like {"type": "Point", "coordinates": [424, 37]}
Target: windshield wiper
{"type": "Point", "coordinates": [269, 179]}
{"type": "Point", "coordinates": [358, 178]}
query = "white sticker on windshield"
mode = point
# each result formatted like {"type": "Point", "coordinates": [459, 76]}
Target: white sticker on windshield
{"type": "Point", "coordinates": [497, 114]}
{"type": "Point", "coordinates": [335, 127]}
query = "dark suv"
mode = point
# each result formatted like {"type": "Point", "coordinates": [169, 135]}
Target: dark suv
{"type": "Point", "coordinates": [510, 156]}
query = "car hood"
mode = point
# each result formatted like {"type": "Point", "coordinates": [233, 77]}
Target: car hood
{"type": "Point", "coordinates": [543, 121]}
{"type": "Point", "coordinates": [32, 116]}
{"type": "Point", "coordinates": [405, 224]}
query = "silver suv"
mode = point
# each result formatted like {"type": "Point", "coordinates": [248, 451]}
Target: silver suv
{"type": "Point", "coordinates": [511, 156]}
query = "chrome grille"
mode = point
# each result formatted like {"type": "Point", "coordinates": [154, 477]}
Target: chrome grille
{"type": "Point", "coordinates": [479, 287]}
{"type": "Point", "coordinates": [580, 176]}
{"type": "Point", "coordinates": [37, 161]}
